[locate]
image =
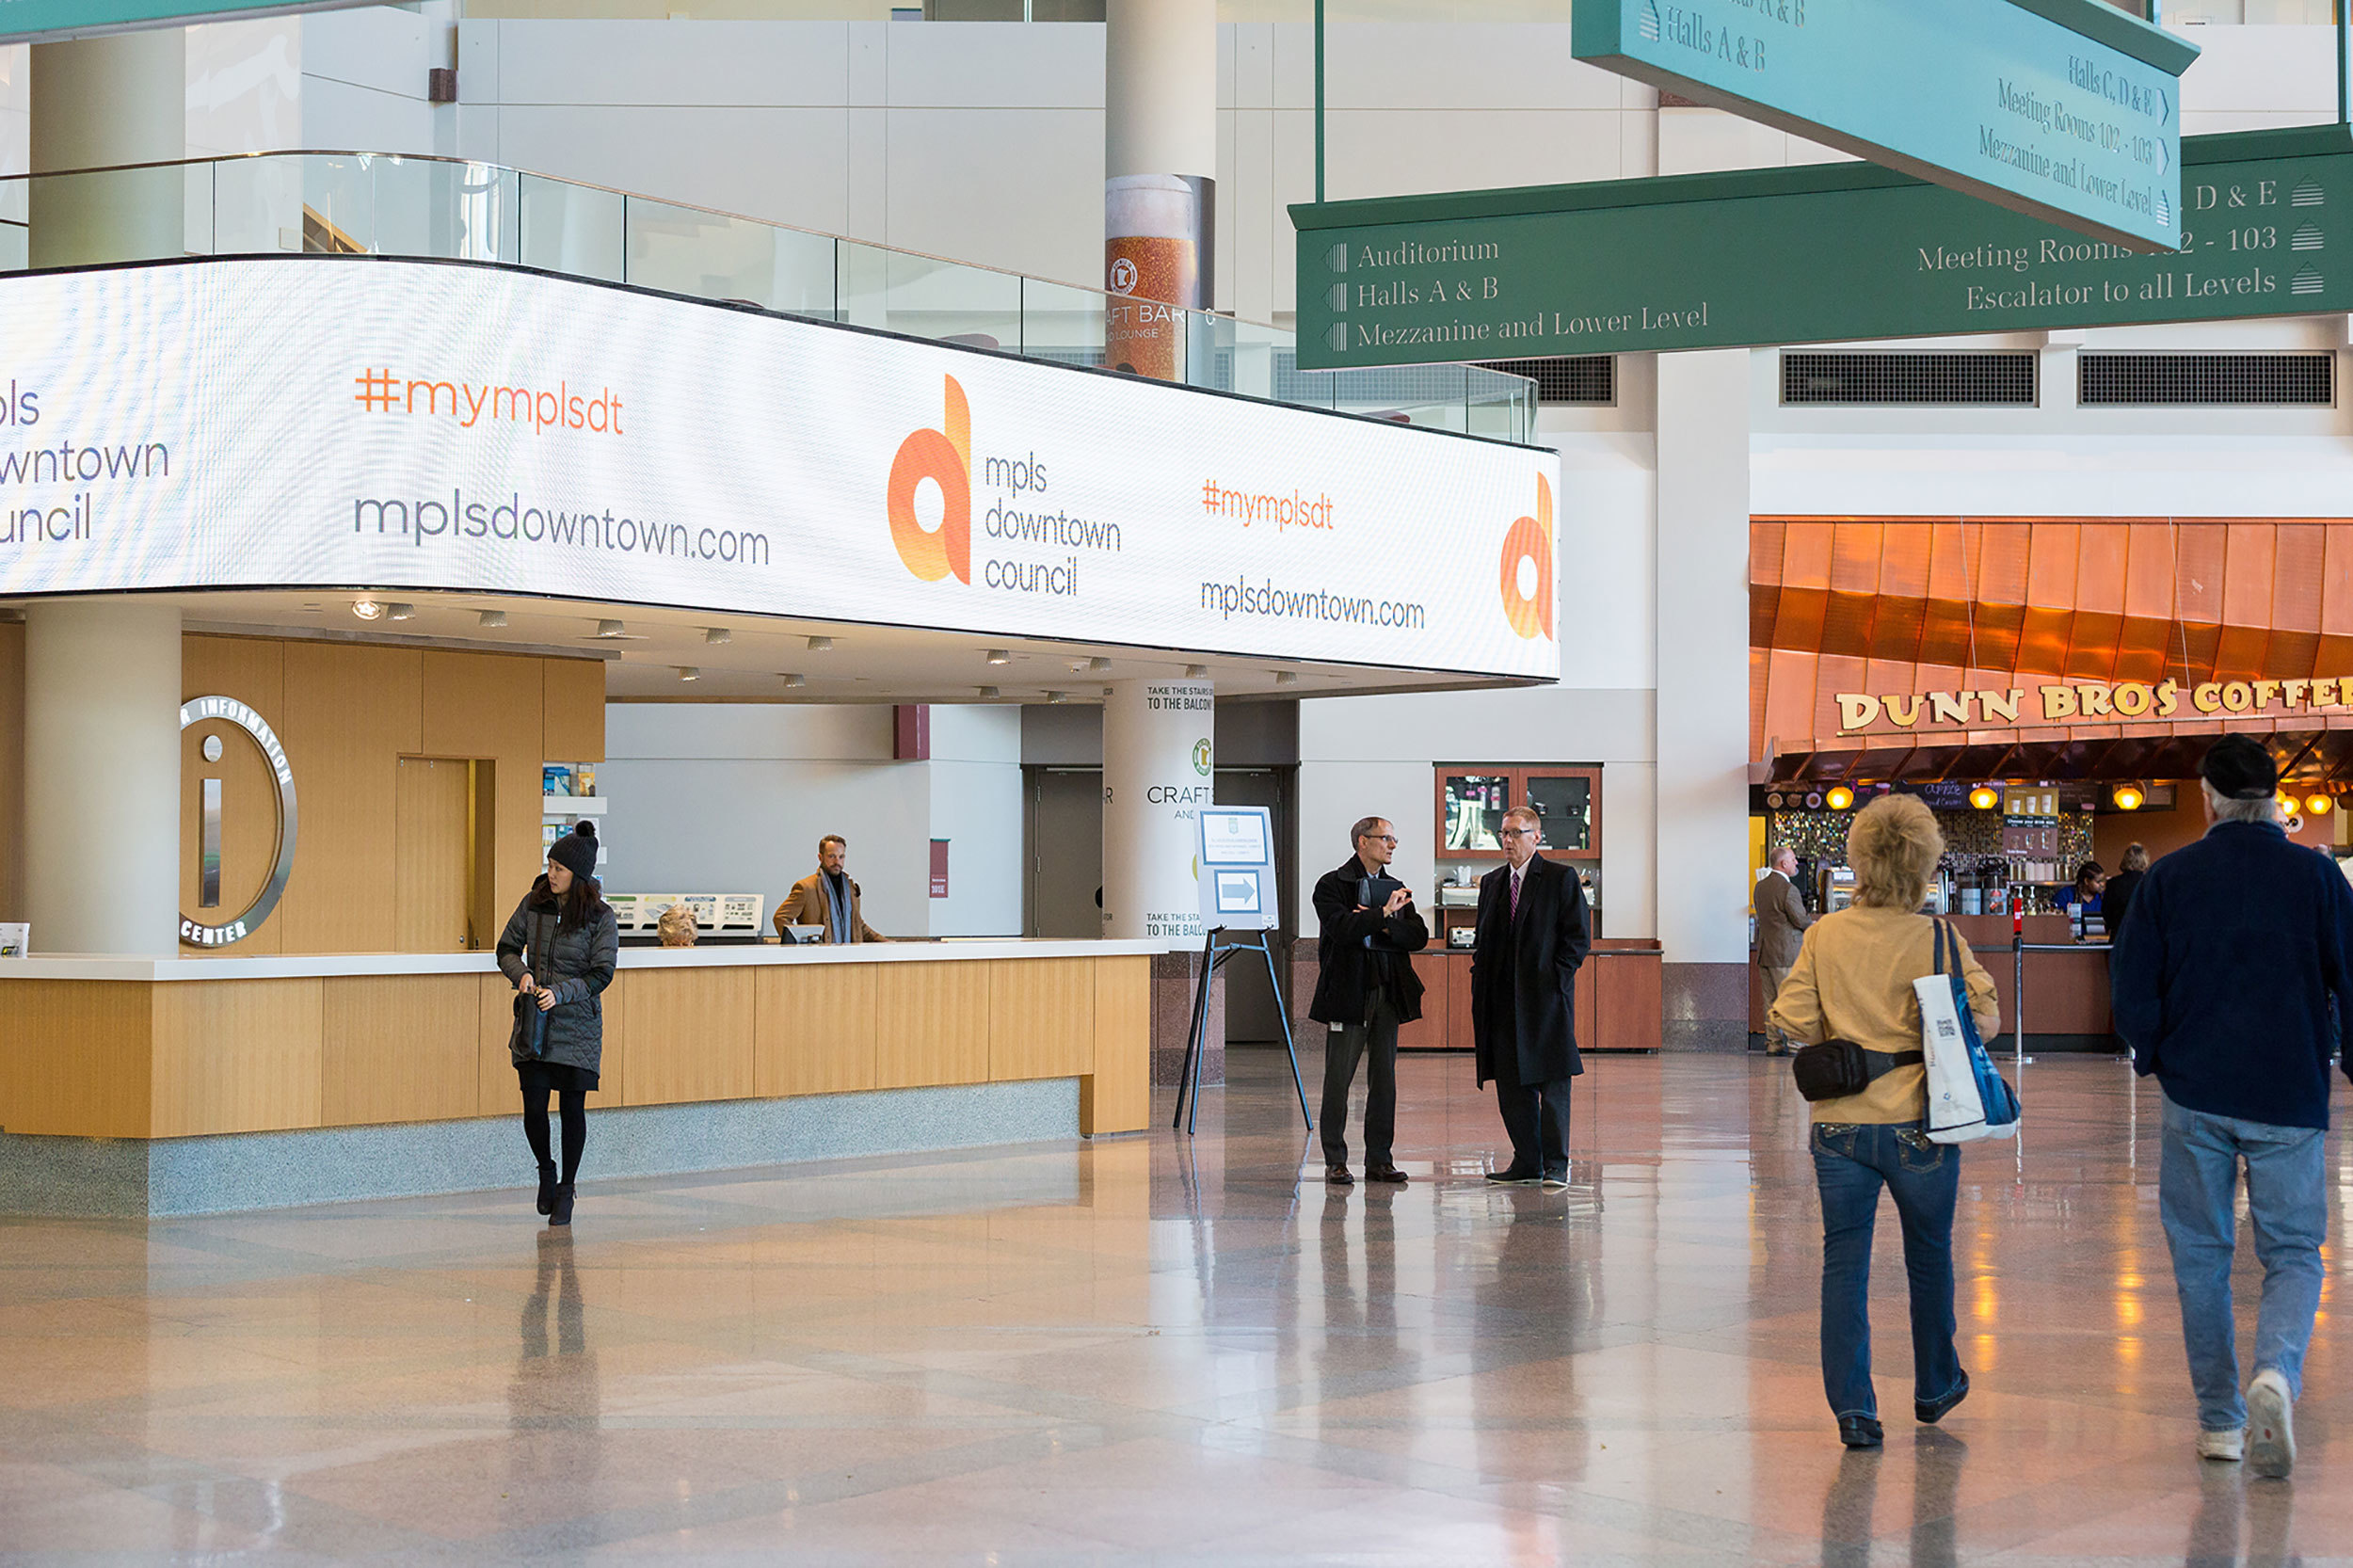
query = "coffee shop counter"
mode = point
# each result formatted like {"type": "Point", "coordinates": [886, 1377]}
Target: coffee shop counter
{"type": "Point", "coordinates": [2066, 993]}
{"type": "Point", "coordinates": [240, 1083]}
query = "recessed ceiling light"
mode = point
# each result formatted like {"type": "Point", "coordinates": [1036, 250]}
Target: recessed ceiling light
{"type": "Point", "coordinates": [717, 636]}
{"type": "Point", "coordinates": [688, 672]}
{"type": "Point", "coordinates": [1098, 665]}
{"type": "Point", "coordinates": [366, 609]}
{"type": "Point", "coordinates": [996, 656]}
{"type": "Point", "coordinates": [988, 694]}
{"type": "Point", "coordinates": [1287, 677]}
{"type": "Point", "coordinates": [492, 619]}
{"type": "Point", "coordinates": [613, 631]}
{"type": "Point", "coordinates": [821, 645]}
{"type": "Point", "coordinates": [397, 611]}
{"type": "Point", "coordinates": [312, 609]}
{"type": "Point", "coordinates": [1107, 691]}
{"type": "Point", "coordinates": [797, 681]}
{"type": "Point", "coordinates": [1196, 672]}
{"type": "Point", "coordinates": [1058, 697]}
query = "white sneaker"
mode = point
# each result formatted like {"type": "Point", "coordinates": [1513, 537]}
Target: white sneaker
{"type": "Point", "coordinates": [2228, 1447]}
{"type": "Point", "coordinates": [2270, 1425]}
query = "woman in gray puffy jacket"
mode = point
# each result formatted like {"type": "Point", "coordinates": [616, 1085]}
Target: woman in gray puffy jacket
{"type": "Point", "coordinates": [559, 949]}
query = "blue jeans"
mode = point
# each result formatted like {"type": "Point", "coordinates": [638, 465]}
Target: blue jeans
{"type": "Point", "coordinates": [1851, 1165]}
{"type": "Point", "coordinates": [2288, 1204]}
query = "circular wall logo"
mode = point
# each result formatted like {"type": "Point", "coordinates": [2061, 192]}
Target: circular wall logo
{"type": "Point", "coordinates": [199, 934]}
{"type": "Point", "coordinates": [944, 457]}
{"type": "Point", "coordinates": [1201, 757]}
{"type": "Point", "coordinates": [1122, 276]}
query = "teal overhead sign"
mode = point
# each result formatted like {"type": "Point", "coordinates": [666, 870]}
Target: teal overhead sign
{"type": "Point", "coordinates": [45, 21]}
{"type": "Point", "coordinates": [2067, 109]}
{"type": "Point", "coordinates": [1826, 253]}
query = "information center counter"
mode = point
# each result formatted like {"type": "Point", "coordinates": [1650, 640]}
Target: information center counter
{"type": "Point", "coordinates": [189, 1085]}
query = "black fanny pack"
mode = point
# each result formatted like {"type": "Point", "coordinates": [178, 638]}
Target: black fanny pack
{"type": "Point", "coordinates": [1836, 1068]}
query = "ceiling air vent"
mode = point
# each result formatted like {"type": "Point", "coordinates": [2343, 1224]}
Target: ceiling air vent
{"type": "Point", "coordinates": [1985, 379]}
{"type": "Point", "coordinates": [1588, 378]}
{"type": "Point", "coordinates": [2157, 380]}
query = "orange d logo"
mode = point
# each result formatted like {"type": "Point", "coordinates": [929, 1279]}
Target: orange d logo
{"type": "Point", "coordinates": [1527, 554]}
{"type": "Point", "coordinates": [945, 457]}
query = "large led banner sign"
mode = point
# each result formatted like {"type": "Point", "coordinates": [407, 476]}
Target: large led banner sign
{"type": "Point", "coordinates": [317, 423]}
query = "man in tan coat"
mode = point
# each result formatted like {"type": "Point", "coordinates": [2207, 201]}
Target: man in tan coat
{"type": "Point", "coordinates": [828, 899]}
{"type": "Point", "coordinates": [1781, 922]}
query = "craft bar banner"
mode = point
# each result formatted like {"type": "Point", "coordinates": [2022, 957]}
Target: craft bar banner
{"type": "Point", "coordinates": [311, 421]}
{"type": "Point", "coordinates": [1826, 253]}
{"type": "Point", "coordinates": [45, 21]}
{"type": "Point", "coordinates": [2068, 110]}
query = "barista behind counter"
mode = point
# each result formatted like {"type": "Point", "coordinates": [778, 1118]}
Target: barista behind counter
{"type": "Point", "coordinates": [826, 899]}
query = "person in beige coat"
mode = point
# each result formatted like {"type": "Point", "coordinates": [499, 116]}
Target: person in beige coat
{"type": "Point", "coordinates": [1781, 922]}
{"type": "Point", "coordinates": [1853, 981]}
{"type": "Point", "coordinates": [828, 899]}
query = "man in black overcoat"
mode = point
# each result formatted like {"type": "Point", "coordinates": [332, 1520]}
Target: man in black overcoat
{"type": "Point", "coordinates": [1532, 936]}
{"type": "Point", "coordinates": [1365, 988]}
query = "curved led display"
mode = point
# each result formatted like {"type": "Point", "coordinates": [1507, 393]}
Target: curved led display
{"type": "Point", "coordinates": [326, 422]}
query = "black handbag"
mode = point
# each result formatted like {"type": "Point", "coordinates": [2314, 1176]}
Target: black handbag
{"type": "Point", "coordinates": [1836, 1068]}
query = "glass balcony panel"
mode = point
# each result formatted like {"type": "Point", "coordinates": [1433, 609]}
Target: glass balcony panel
{"type": "Point", "coordinates": [338, 205]}
{"type": "Point", "coordinates": [432, 207]}
{"type": "Point", "coordinates": [574, 230]}
{"type": "Point", "coordinates": [922, 297]}
{"type": "Point", "coordinates": [257, 206]}
{"type": "Point", "coordinates": [13, 224]}
{"type": "Point", "coordinates": [706, 255]}
{"type": "Point", "coordinates": [1061, 323]}
{"type": "Point", "coordinates": [108, 214]}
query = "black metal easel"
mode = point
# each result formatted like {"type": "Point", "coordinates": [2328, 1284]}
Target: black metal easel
{"type": "Point", "coordinates": [1213, 957]}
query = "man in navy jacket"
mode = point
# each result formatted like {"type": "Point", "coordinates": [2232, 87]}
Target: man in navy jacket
{"type": "Point", "coordinates": [2224, 973]}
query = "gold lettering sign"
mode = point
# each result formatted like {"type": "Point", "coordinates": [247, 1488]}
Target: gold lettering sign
{"type": "Point", "coordinates": [2077, 701]}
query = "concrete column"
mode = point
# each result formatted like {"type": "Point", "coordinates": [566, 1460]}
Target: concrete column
{"type": "Point", "coordinates": [1158, 759]}
{"type": "Point", "coordinates": [101, 776]}
{"type": "Point", "coordinates": [122, 99]}
{"type": "Point", "coordinates": [1702, 799]}
{"type": "Point", "coordinates": [1159, 194]}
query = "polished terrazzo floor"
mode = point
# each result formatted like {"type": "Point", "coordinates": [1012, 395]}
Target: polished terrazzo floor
{"type": "Point", "coordinates": [1154, 1350]}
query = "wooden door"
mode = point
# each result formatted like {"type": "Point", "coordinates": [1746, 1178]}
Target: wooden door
{"type": "Point", "coordinates": [431, 854]}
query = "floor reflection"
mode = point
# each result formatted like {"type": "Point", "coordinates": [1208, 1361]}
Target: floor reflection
{"type": "Point", "coordinates": [1096, 1353]}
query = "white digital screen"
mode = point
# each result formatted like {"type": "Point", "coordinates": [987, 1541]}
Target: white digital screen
{"type": "Point", "coordinates": [1234, 838]}
{"type": "Point", "coordinates": [1237, 892]}
{"type": "Point", "coordinates": [322, 423]}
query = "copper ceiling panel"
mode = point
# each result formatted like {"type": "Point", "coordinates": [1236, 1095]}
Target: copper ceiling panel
{"type": "Point", "coordinates": [1999, 553]}
{"type": "Point", "coordinates": [2295, 590]}
{"type": "Point", "coordinates": [1834, 673]}
{"type": "Point", "coordinates": [2250, 550]}
{"type": "Point", "coordinates": [2099, 622]}
{"type": "Point", "coordinates": [1789, 719]}
{"type": "Point", "coordinates": [1804, 586]}
{"type": "Point", "coordinates": [2336, 650]}
{"type": "Point", "coordinates": [2053, 551]}
{"type": "Point", "coordinates": [1760, 685]}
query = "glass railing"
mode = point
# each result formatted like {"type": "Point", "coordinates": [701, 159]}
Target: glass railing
{"type": "Point", "coordinates": [385, 204]}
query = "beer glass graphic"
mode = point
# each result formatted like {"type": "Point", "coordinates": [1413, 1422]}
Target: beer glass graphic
{"type": "Point", "coordinates": [1155, 234]}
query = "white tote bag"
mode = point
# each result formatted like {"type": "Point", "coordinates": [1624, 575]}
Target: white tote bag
{"type": "Point", "coordinates": [1957, 1109]}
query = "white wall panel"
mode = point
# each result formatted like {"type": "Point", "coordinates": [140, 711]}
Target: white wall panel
{"type": "Point", "coordinates": [1448, 65]}
{"type": "Point", "coordinates": [244, 86]}
{"type": "Point", "coordinates": [1016, 188]}
{"type": "Point", "coordinates": [381, 47]}
{"type": "Point", "coordinates": [705, 64]}
{"type": "Point", "coordinates": [988, 65]}
{"type": "Point", "coordinates": [790, 166]}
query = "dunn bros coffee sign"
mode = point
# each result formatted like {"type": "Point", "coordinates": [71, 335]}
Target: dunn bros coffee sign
{"type": "Point", "coordinates": [2076, 702]}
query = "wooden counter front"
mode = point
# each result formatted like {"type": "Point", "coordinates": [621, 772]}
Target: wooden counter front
{"type": "Point", "coordinates": [170, 1048]}
{"type": "Point", "coordinates": [1620, 999]}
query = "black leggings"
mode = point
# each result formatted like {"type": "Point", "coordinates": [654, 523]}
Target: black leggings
{"type": "Point", "coordinates": [575, 1104]}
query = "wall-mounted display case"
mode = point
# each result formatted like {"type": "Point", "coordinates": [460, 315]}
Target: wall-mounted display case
{"type": "Point", "coordinates": [1473, 798]}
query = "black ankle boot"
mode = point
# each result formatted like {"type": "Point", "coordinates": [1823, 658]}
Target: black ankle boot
{"type": "Point", "coordinates": [547, 1188]}
{"type": "Point", "coordinates": [561, 1213]}
{"type": "Point", "coordinates": [1860, 1432]}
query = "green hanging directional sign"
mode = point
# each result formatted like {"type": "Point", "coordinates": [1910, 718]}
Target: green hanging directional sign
{"type": "Point", "coordinates": [47, 21]}
{"type": "Point", "coordinates": [1825, 253]}
{"type": "Point", "coordinates": [2066, 109]}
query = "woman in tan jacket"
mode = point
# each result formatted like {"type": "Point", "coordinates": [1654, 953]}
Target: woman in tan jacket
{"type": "Point", "coordinates": [1852, 981]}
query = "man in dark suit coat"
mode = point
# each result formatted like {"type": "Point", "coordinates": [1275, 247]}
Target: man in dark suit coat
{"type": "Point", "coordinates": [1365, 988]}
{"type": "Point", "coordinates": [1781, 923]}
{"type": "Point", "coordinates": [1532, 937]}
